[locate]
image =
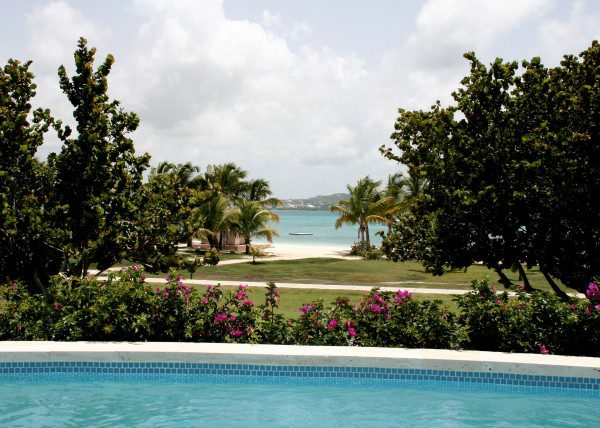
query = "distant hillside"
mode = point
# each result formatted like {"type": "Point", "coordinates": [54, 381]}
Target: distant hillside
{"type": "Point", "coordinates": [321, 202]}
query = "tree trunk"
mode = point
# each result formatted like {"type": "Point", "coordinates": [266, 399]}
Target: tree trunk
{"type": "Point", "coordinates": [220, 245]}
{"type": "Point", "coordinates": [504, 280]}
{"type": "Point", "coordinates": [368, 237]}
{"type": "Point", "coordinates": [523, 276]}
{"type": "Point", "coordinates": [189, 241]}
{"type": "Point", "coordinates": [247, 242]}
{"type": "Point", "coordinates": [554, 286]}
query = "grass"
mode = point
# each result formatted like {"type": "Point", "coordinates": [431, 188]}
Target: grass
{"type": "Point", "coordinates": [294, 298]}
{"type": "Point", "coordinates": [375, 273]}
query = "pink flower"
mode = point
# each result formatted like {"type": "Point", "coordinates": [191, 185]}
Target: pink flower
{"type": "Point", "coordinates": [57, 305]}
{"type": "Point", "coordinates": [123, 267]}
{"type": "Point", "coordinates": [208, 287]}
{"type": "Point", "coordinates": [135, 268]}
{"type": "Point", "coordinates": [387, 316]}
{"type": "Point", "coordinates": [306, 308]}
{"type": "Point", "coordinates": [276, 293]}
{"type": "Point", "coordinates": [332, 323]}
{"type": "Point", "coordinates": [249, 303]}
{"type": "Point", "coordinates": [180, 278]}
{"type": "Point", "coordinates": [352, 332]}
{"type": "Point", "coordinates": [144, 277]}
{"type": "Point", "coordinates": [497, 301]}
{"type": "Point", "coordinates": [597, 307]}
{"type": "Point", "coordinates": [220, 317]}
{"type": "Point", "coordinates": [378, 298]}
{"type": "Point", "coordinates": [167, 278]}
{"type": "Point", "coordinates": [376, 308]}
{"type": "Point", "coordinates": [588, 313]}
{"type": "Point", "coordinates": [15, 287]}
{"type": "Point", "coordinates": [242, 287]}
{"type": "Point", "coordinates": [204, 300]}
{"type": "Point", "coordinates": [236, 333]}
{"type": "Point", "coordinates": [166, 294]}
{"type": "Point", "coordinates": [543, 350]}
{"type": "Point", "coordinates": [522, 287]}
{"type": "Point", "coordinates": [232, 318]}
{"type": "Point", "coordinates": [158, 289]}
{"type": "Point", "coordinates": [442, 311]}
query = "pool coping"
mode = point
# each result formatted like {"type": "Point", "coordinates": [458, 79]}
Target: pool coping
{"type": "Point", "coordinates": [307, 356]}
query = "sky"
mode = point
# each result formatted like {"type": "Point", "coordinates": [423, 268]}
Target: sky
{"type": "Point", "coordinates": [302, 93]}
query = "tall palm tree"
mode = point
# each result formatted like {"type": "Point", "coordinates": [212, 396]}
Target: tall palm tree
{"type": "Point", "coordinates": [251, 220]}
{"type": "Point", "coordinates": [260, 191]}
{"type": "Point", "coordinates": [366, 205]}
{"type": "Point", "coordinates": [227, 178]}
{"type": "Point", "coordinates": [212, 218]}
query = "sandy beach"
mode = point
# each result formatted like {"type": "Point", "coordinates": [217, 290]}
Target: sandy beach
{"type": "Point", "coordinates": [293, 251]}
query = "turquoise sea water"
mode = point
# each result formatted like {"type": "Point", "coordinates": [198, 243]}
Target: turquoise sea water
{"type": "Point", "coordinates": [89, 403]}
{"type": "Point", "coordinates": [322, 225]}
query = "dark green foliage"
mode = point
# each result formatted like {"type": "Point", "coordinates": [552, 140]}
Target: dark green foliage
{"type": "Point", "coordinates": [98, 175]}
{"type": "Point", "coordinates": [27, 238]}
{"type": "Point", "coordinates": [510, 172]}
{"type": "Point", "coordinates": [127, 308]}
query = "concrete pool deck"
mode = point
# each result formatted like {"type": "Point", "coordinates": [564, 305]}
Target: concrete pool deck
{"type": "Point", "coordinates": [288, 355]}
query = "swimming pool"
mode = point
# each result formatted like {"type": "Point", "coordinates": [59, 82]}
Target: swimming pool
{"type": "Point", "coordinates": [254, 385]}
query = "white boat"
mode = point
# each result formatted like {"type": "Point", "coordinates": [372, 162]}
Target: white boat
{"type": "Point", "coordinates": [301, 233]}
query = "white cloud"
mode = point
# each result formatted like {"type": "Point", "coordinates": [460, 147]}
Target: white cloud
{"type": "Point", "coordinates": [572, 35]}
{"type": "Point", "coordinates": [212, 89]}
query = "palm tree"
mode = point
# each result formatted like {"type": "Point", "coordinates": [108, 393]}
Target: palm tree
{"type": "Point", "coordinates": [251, 220]}
{"type": "Point", "coordinates": [212, 218]}
{"type": "Point", "coordinates": [366, 205]}
{"type": "Point", "coordinates": [260, 191]}
{"type": "Point", "coordinates": [227, 178]}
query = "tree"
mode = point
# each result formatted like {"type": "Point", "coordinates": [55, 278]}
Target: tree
{"type": "Point", "coordinates": [260, 191]}
{"type": "Point", "coordinates": [228, 179]}
{"type": "Point", "coordinates": [28, 241]}
{"type": "Point", "coordinates": [252, 220]}
{"type": "Point", "coordinates": [212, 218]}
{"type": "Point", "coordinates": [366, 205]}
{"type": "Point", "coordinates": [164, 217]}
{"type": "Point", "coordinates": [507, 171]}
{"type": "Point", "coordinates": [98, 175]}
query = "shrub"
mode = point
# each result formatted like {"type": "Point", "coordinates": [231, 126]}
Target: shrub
{"type": "Point", "coordinates": [125, 307]}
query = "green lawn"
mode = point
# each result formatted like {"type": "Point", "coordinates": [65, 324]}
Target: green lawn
{"type": "Point", "coordinates": [293, 298]}
{"type": "Point", "coordinates": [376, 273]}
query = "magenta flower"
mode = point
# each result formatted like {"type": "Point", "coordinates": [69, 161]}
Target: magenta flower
{"type": "Point", "coordinates": [144, 277]}
{"type": "Point", "coordinates": [220, 317]}
{"type": "Point", "coordinates": [352, 332]}
{"type": "Point", "coordinates": [166, 294]}
{"type": "Point", "coordinates": [497, 301]}
{"type": "Point", "coordinates": [15, 287]}
{"type": "Point", "coordinates": [276, 293]}
{"type": "Point", "coordinates": [208, 287]}
{"type": "Point", "coordinates": [158, 289]}
{"type": "Point", "coordinates": [306, 308]}
{"type": "Point", "coordinates": [57, 305]}
{"type": "Point", "coordinates": [167, 278]}
{"type": "Point", "coordinates": [236, 333]}
{"type": "Point", "coordinates": [332, 323]}
{"type": "Point", "coordinates": [522, 287]}
{"type": "Point", "coordinates": [572, 307]}
{"type": "Point", "coordinates": [242, 287]}
{"type": "Point", "coordinates": [123, 267]}
{"type": "Point", "coordinates": [543, 350]}
{"type": "Point", "coordinates": [204, 300]}
{"type": "Point", "coordinates": [249, 303]}
{"type": "Point", "coordinates": [378, 298]}
{"type": "Point", "coordinates": [587, 313]}
{"type": "Point", "coordinates": [376, 308]}
{"type": "Point", "coordinates": [232, 317]}
{"type": "Point", "coordinates": [135, 268]}
{"type": "Point", "coordinates": [387, 316]}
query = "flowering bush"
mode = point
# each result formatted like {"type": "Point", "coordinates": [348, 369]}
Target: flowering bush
{"type": "Point", "coordinates": [126, 307]}
{"type": "Point", "coordinates": [538, 322]}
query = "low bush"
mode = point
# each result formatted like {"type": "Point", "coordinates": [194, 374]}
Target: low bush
{"type": "Point", "coordinates": [125, 307]}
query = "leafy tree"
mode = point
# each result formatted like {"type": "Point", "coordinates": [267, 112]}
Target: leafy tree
{"type": "Point", "coordinates": [260, 191]}
{"type": "Point", "coordinates": [165, 215]}
{"type": "Point", "coordinates": [507, 171]}
{"type": "Point", "coordinates": [366, 205]}
{"type": "Point", "coordinates": [98, 175]}
{"type": "Point", "coordinates": [27, 239]}
{"type": "Point", "coordinates": [227, 178]}
{"type": "Point", "coordinates": [212, 218]}
{"type": "Point", "coordinates": [251, 219]}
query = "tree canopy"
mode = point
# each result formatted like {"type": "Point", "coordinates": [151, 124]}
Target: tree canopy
{"type": "Point", "coordinates": [510, 172]}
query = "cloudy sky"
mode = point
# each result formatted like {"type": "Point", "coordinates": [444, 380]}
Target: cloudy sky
{"type": "Point", "coordinates": [299, 92]}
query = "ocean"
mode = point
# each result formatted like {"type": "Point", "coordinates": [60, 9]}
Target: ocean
{"type": "Point", "coordinates": [322, 226]}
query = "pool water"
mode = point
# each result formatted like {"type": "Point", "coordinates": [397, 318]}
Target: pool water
{"type": "Point", "coordinates": [87, 401]}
